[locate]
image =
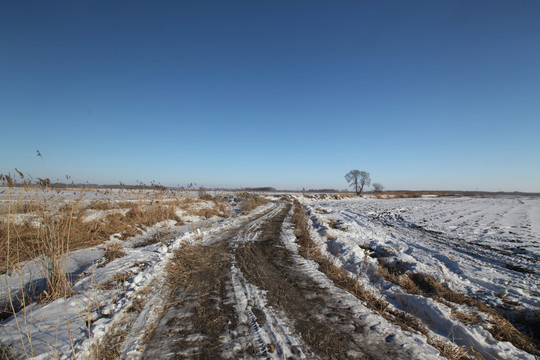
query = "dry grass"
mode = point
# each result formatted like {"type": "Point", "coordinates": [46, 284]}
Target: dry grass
{"type": "Point", "coordinates": [116, 281]}
{"type": "Point", "coordinates": [190, 264]}
{"type": "Point", "coordinates": [251, 201]}
{"type": "Point", "coordinates": [137, 305]}
{"type": "Point", "coordinates": [48, 230]}
{"type": "Point", "coordinates": [467, 318]}
{"type": "Point", "coordinates": [109, 204]}
{"type": "Point", "coordinates": [149, 333]}
{"type": "Point", "coordinates": [111, 346]}
{"type": "Point", "coordinates": [403, 194]}
{"type": "Point", "coordinates": [207, 213]}
{"type": "Point", "coordinates": [4, 353]}
{"type": "Point", "coordinates": [148, 215]}
{"type": "Point", "coordinates": [347, 195]}
{"type": "Point", "coordinates": [452, 351]}
{"type": "Point", "coordinates": [25, 208]}
{"type": "Point", "coordinates": [498, 325]}
{"type": "Point", "coordinates": [112, 251]}
{"type": "Point", "coordinates": [68, 231]}
{"type": "Point", "coordinates": [63, 227]}
{"type": "Point", "coordinates": [219, 208]}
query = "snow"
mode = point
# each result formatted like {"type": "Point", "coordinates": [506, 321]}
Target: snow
{"type": "Point", "coordinates": [487, 248]}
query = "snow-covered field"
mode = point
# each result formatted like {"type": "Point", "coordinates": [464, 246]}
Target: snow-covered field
{"type": "Point", "coordinates": [485, 248]}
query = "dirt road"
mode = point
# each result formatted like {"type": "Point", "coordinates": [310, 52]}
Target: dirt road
{"type": "Point", "coordinates": [247, 294]}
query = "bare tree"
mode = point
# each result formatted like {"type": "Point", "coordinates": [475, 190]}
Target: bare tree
{"type": "Point", "coordinates": [358, 179]}
{"type": "Point", "coordinates": [378, 188]}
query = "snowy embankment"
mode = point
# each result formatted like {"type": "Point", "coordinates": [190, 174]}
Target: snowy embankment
{"type": "Point", "coordinates": [484, 248]}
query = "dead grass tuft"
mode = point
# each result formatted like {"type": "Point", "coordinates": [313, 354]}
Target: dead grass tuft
{"type": "Point", "coordinates": [426, 284]}
{"type": "Point", "coordinates": [453, 352]}
{"type": "Point", "coordinates": [251, 201]}
{"type": "Point", "coordinates": [151, 214]}
{"type": "Point", "coordinates": [109, 204]}
{"type": "Point", "coordinates": [217, 207]}
{"type": "Point", "coordinates": [467, 318]}
{"type": "Point", "coordinates": [498, 325]}
{"type": "Point", "coordinates": [137, 305]}
{"type": "Point", "coordinates": [203, 194]}
{"type": "Point", "coordinates": [389, 276]}
{"type": "Point", "coordinates": [208, 213]}
{"type": "Point", "coordinates": [110, 348]}
{"type": "Point", "coordinates": [4, 353]}
{"type": "Point", "coordinates": [116, 281]}
{"type": "Point", "coordinates": [27, 207]}
{"type": "Point", "coordinates": [149, 333]}
{"type": "Point", "coordinates": [334, 224]}
{"type": "Point", "coordinates": [112, 251]}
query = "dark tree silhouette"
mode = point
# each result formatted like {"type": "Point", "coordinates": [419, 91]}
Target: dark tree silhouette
{"type": "Point", "coordinates": [358, 179]}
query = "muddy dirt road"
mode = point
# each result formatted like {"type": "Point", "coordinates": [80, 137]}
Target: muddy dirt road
{"type": "Point", "coordinates": [247, 293]}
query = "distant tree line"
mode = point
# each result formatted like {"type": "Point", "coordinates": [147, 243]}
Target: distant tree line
{"type": "Point", "coordinates": [261, 189]}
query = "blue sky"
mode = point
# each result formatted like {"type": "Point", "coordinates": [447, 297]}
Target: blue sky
{"type": "Point", "coordinates": [290, 94]}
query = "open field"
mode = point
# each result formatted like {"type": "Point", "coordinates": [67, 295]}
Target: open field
{"type": "Point", "coordinates": [161, 274]}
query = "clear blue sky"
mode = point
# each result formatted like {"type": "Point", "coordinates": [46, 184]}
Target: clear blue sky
{"type": "Point", "coordinates": [290, 94]}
